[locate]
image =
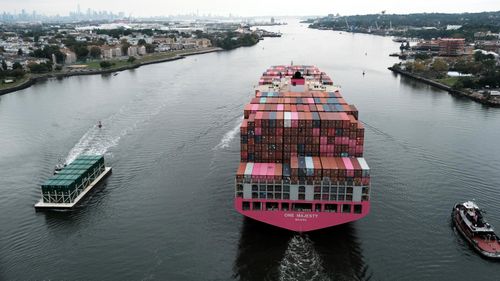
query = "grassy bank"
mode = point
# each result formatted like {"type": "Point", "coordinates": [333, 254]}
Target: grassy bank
{"type": "Point", "coordinates": [116, 64]}
{"type": "Point", "coordinates": [448, 81]}
{"type": "Point", "coordinates": [444, 85]}
{"type": "Point", "coordinates": [94, 67]}
{"type": "Point", "coordinates": [14, 84]}
{"type": "Point", "coordinates": [120, 63]}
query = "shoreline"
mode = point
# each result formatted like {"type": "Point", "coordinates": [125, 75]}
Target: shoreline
{"type": "Point", "coordinates": [43, 77]}
{"type": "Point", "coordinates": [470, 95]}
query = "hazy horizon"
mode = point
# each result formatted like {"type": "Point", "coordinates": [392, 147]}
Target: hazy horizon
{"type": "Point", "coordinates": [256, 8]}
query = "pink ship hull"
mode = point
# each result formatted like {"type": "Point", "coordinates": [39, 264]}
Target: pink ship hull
{"type": "Point", "coordinates": [302, 221]}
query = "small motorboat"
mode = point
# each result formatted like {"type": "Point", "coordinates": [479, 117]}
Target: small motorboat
{"type": "Point", "coordinates": [468, 220]}
{"type": "Point", "coordinates": [58, 168]}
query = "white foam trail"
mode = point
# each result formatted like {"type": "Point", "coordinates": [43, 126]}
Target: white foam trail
{"type": "Point", "coordinates": [126, 119]}
{"type": "Point", "coordinates": [301, 261]}
{"type": "Point", "coordinates": [229, 136]}
{"type": "Point", "coordinates": [94, 141]}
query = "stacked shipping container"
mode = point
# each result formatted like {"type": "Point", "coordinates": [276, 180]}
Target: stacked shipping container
{"type": "Point", "coordinates": [277, 128]}
{"type": "Point", "coordinates": [72, 179]}
{"type": "Point", "coordinates": [301, 136]}
{"type": "Point", "coordinates": [301, 151]}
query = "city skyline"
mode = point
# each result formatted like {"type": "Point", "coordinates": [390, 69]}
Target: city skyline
{"type": "Point", "coordinates": [150, 8]}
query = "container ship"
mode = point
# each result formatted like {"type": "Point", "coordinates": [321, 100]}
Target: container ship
{"type": "Point", "coordinates": [302, 165]}
{"type": "Point", "coordinates": [72, 182]}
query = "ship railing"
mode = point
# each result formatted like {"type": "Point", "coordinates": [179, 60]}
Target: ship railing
{"type": "Point", "coordinates": [325, 190]}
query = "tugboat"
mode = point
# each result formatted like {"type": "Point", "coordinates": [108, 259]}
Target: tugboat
{"type": "Point", "coordinates": [469, 221]}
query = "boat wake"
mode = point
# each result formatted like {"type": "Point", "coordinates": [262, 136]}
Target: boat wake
{"type": "Point", "coordinates": [229, 136]}
{"type": "Point", "coordinates": [301, 261]}
{"type": "Point", "coordinates": [129, 117]}
{"type": "Point", "coordinates": [94, 141]}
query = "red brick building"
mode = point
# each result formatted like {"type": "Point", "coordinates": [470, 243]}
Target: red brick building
{"type": "Point", "coordinates": [451, 46]}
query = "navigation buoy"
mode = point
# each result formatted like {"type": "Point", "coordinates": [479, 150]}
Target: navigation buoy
{"type": "Point", "coordinates": [99, 125]}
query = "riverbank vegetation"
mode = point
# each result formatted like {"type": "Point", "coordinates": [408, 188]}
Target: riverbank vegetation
{"type": "Point", "coordinates": [476, 72]}
{"type": "Point", "coordinates": [15, 82]}
{"type": "Point", "coordinates": [10, 77]}
{"type": "Point", "coordinates": [421, 25]}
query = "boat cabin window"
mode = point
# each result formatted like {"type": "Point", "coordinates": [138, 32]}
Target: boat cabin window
{"type": "Point", "coordinates": [272, 206]}
{"type": "Point", "coordinates": [317, 207]}
{"type": "Point", "coordinates": [331, 208]}
{"type": "Point", "coordinates": [285, 206]}
{"type": "Point", "coordinates": [246, 206]}
{"type": "Point", "coordinates": [255, 205]}
{"type": "Point", "coordinates": [302, 207]}
{"type": "Point", "coordinates": [346, 208]}
{"type": "Point", "coordinates": [358, 209]}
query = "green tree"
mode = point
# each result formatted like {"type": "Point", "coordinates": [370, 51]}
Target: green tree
{"type": "Point", "coordinates": [105, 64]}
{"type": "Point", "coordinates": [48, 51]}
{"type": "Point", "coordinates": [131, 59]}
{"type": "Point", "coordinates": [4, 65]}
{"type": "Point", "coordinates": [17, 65]}
{"type": "Point", "coordinates": [125, 45]}
{"type": "Point", "coordinates": [419, 66]}
{"type": "Point", "coordinates": [439, 65]}
{"type": "Point", "coordinates": [150, 48]}
{"type": "Point", "coordinates": [479, 56]}
{"type": "Point", "coordinates": [141, 42]}
{"type": "Point", "coordinates": [20, 52]}
{"type": "Point", "coordinates": [466, 82]}
{"type": "Point", "coordinates": [95, 52]}
{"type": "Point", "coordinates": [17, 73]}
{"type": "Point", "coordinates": [81, 52]}
{"type": "Point", "coordinates": [40, 67]}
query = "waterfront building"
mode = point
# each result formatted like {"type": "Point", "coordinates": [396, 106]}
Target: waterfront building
{"type": "Point", "coordinates": [141, 50]}
{"type": "Point", "coordinates": [163, 40]}
{"type": "Point", "coordinates": [132, 51]}
{"type": "Point", "coordinates": [70, 56]}
{"type": "Point", "coordinates": [451, 46]}
{"type": "Point", "coordinates": [116, 51]}
{"type": "Point", "coordinates": [203, 43]}
{"type": "Point", "coordinates": [106, 52]}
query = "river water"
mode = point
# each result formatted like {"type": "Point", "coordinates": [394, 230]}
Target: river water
{"type": "Point", "coordinates": [171, 134]}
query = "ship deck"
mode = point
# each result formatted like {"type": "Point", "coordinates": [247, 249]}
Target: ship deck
{"type": "Point", "coordinates": [283, 85]}
{"type": "Point", "coordinates": [40, 205]}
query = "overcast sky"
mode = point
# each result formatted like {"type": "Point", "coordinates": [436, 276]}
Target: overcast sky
{"type": "Point", "coordinates": [250, 7]}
